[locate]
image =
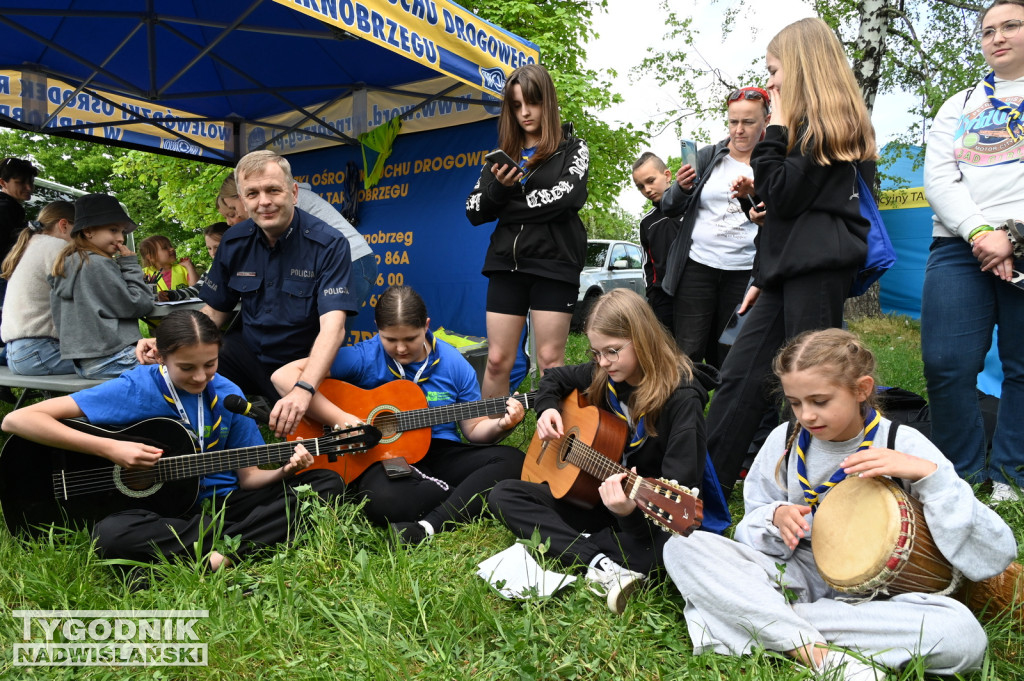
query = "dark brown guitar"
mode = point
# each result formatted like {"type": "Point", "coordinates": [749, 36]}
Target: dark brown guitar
{"type": "Point", "coordinates": [42, 485]}
{"type": "Point", "coordinates": [398, 409]}
{"type": "Point", "coordinates": [589, 452]}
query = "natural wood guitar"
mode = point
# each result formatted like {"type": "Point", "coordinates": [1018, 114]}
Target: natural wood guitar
{"type": "Point", "coordinates": [398, 409]}
{"type": "Point", "coordinates": [589, 452]}
{"type": "Point", "coordinates": [42, 485]}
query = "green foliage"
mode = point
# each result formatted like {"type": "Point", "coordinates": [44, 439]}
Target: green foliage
{"type": "Point", "coordinates": [561, 29]}
{"type": "Point", "coordinates": [929, 51]}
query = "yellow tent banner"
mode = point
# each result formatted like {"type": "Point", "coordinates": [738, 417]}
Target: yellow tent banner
{"type": "Point", "coordinates": [438, 34]}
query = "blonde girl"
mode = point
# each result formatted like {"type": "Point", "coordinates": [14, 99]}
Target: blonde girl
{"type": "Point", "coordinates": [736, 591]}
{"type": "Point", "coordinates": [637, 373]}
{"type": "Point", "coordinates": [98, 291]}
{"type": "Point", "coordinates": [539, 245]}
{"type": "Point", "coordinates": [813, 239]}
{"type": "Point", "coordinates": [162, 267]}
{"type": "Point", "coordinates": [27, 327]}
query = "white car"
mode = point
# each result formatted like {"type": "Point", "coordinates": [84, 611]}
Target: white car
{"type": "Point", "coordinates": [609, 264]}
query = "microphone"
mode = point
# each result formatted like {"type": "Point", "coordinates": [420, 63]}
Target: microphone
{"type": "Point", "coordinates": [237, 404]}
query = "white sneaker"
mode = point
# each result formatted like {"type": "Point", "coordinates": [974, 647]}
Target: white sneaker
{"type": "Point", "coordinates": [840, 666]}
{"type": "Point", "coordinates": [613, 581]}
{"type": "Point", "coordinates": [1003, 492]}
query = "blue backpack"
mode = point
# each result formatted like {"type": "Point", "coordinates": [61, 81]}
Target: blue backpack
{"type": "Point", "coordinates": [881, 255]}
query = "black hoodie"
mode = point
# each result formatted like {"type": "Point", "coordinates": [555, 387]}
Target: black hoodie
{"type": "Point", "coordinates": [539, 229]}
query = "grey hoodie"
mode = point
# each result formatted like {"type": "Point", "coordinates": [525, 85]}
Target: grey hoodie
{"type": "Point", "coordinates": [97, 303]}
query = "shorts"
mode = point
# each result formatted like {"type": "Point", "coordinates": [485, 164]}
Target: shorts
{"type": "Point", "coordinates": [515, 293]}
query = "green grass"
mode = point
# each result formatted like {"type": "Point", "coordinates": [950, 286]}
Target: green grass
{"type": "Point", "coordinates": [341, 603]}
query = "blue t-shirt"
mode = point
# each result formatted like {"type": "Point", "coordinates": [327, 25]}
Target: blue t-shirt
{"type": "Point", "coordinates": [451, 381]}
{"type": "Point", "coordinates": [284, 289]}
{"type": "Point", "coordinates": [139, 394]}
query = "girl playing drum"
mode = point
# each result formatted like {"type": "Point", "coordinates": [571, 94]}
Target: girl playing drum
{"type": "Point", "coordinates": [764, 590]}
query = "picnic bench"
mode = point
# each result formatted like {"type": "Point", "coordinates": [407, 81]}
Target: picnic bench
{"type": "Point", "coordinates": [47, 386]}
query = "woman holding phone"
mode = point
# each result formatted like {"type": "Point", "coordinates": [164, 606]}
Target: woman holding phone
{"type": "Point", "coordinates": [539, 245]}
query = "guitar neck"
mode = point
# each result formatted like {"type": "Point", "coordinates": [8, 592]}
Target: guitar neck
{"type": "Point", "coordinates": [207, 463]}
{"type": "Point", "coordinates": [432, 416]}
{"type": "Point", "coordinates": [593, 462]}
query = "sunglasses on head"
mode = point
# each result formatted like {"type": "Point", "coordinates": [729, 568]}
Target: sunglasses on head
{"type": "Point", "coordinates": [752, 93]}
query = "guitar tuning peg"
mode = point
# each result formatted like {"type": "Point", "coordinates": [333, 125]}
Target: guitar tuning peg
{"type": "Point", "coordinates": [674, 482]}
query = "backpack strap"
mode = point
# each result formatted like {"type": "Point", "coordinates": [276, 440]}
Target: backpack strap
{"type": "Point", "coordinates": [891, 442]}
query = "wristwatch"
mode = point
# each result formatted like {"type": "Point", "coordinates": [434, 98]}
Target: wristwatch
{"type": "Point", "coordinates": [1015, 232]}
{"type": "Point", "coordinates": [305, 386]}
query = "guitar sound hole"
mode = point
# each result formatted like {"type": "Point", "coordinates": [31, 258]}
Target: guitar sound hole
{"type": "Point", "coordinates": [566, 449]}
{"type": "Point", "coordinates": [387, 424]}
{"type": "Point", "coordinates": [136, 484]}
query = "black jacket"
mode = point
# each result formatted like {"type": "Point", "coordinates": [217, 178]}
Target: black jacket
{"type": "Point", "coordinates": [539, 229]}
{"type": "Point", "coordinates": [813, 220]}
{"type": "Point", "coordinates": [680, 449]}
{"type": "Point", "coordinates": [678, 202]}
{"type": "Point", "coordinates": [12, 221]}
{"type": "Point", "coordinates": [657, 234]}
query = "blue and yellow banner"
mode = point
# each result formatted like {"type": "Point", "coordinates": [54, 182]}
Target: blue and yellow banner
{"type": "Point", "coordinates": [438, 34]}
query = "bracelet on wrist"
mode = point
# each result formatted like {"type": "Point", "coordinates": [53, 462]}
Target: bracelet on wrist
{"type": "Point", "coordinates": [305, 386]}
{"type": "Point", "coordinates": [978, 230]}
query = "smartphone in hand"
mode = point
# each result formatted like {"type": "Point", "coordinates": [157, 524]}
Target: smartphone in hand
{"type": "Point", "coordinates": [500, 157]}
{"type": "Point", "coordinates": [688, 151]}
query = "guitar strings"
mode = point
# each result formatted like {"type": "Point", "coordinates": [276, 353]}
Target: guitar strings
{"type": "Point", "coordinates": [449, 413]}
{"type": "Point", "coordinates": [196, 464]}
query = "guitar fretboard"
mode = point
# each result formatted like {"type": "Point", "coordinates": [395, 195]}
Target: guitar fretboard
{"type": "Point", "coordinates": [432, 416]}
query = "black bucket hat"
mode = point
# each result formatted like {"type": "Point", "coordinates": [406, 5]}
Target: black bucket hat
{"type": "Point", "coordinates": [99, 210]}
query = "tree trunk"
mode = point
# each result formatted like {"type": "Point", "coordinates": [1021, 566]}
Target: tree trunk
{"type": "Point", "coordinates": [866, 305]}
{"type": "Point", "coordinates": [869, 47]}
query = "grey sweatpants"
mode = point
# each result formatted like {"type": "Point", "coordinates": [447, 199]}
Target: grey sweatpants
{"type": "Point", "coordinates": [734, 602]}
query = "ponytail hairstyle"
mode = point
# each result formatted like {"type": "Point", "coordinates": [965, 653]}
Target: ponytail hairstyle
{"type": "Point", "coordinates": [538, 88]}
{"type": "Point", "coordinates": [148, 248]}
{"type": "Point", "coordinates": [839, 354]}
{"type": "Point", "coordinates": [400, 306]}
{"type": "Point", "coordinates": [46, 223]}
{"type": "Point", "coordinates": [825, 109]}
{"type": "Point", "coordinates": [621, 313]}
{"type": "Point", "coordinates": [183, 328]}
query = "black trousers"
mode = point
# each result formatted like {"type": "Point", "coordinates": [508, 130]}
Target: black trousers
{"type": "Point", "coordinates": [705, 300]}
{"type": "Point", "coordinates": [262, 517]}
{"type": "Point", "coordinates": [528, 506]}
{"type": "Point", "coordinates": [468, 470]}
{"type": "Point", "coordinates": [661, 303]}
{"type": "Point", "coordinates": [240, 365]}
{"type": "Point", "coordinates": [803, 303]}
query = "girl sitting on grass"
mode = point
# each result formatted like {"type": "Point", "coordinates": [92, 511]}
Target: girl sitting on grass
{"type": "Point", "coordinates": [736, 598]}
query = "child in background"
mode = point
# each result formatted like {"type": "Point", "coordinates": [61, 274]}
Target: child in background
{"type": "Point", "coordinates": [212, 235]}
{"type": "Point", "coordinates": [162, 266]}
{"type": "Point", "coordinates": [97, 291]}
{"type": "Point", "coordinates": [27, 327]}
{"type": "Point", "coordinates": [736, 590]}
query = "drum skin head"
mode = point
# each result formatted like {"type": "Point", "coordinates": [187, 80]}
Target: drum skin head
{"type": "Point", "coordinates": [854, 531]}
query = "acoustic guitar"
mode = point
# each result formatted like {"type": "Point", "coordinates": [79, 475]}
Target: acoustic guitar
{"type": "Point", "coordinates": [574, 466]}
{"type": "Point", "coordinates": [398, 409]}
{"type": "Point", "coordinates": [42, 485]}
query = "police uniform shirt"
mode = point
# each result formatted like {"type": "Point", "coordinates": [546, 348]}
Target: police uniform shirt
{"type": "Point", "coordinates": [284, 288]}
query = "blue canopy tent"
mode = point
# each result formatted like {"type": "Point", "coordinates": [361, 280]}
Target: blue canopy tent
{"type": "Point", "coordinates": [213, 80]}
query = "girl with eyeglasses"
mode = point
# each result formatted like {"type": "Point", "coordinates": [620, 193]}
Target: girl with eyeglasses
{"type": "Point", "coordinates": [813, 240]}
{"type": "Point", "coordinates": [27, 327]}
{"type": "Point", "coordinates": [711, 260]}
{"type": "Point", "coordinates": [972, 179]}
{"type": "Point", "coordinates": [640, 375]}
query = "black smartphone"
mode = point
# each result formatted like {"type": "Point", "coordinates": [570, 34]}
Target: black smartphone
{"type": "Point", "coordinates": [397, 467]}
{"type": "Point", "coordinates": [500, 157]}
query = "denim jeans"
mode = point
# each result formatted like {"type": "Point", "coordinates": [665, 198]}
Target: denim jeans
{"type": "Point", "coordinates": [111, 366]}
{"type": "Point", "coordinates": [361, 280]}
{"type": "Point", "coordinates": [960, 306]}
{"type": "Point", "coordinates": [37, 357]}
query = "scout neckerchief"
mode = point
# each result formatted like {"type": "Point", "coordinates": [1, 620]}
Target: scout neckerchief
{"type": "Point", "coordinates": [526, 155]}
{"type": "Point", "coordinates": [871, 422]}
{"type": "Point", "coordinates": [171, 395]}
{"type": "Point", "coordinates": [1014, 122]}
{"type": "Point", "coordinates": [433, 357]}
{"type": "Point", "coordinates": [622, 411]}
